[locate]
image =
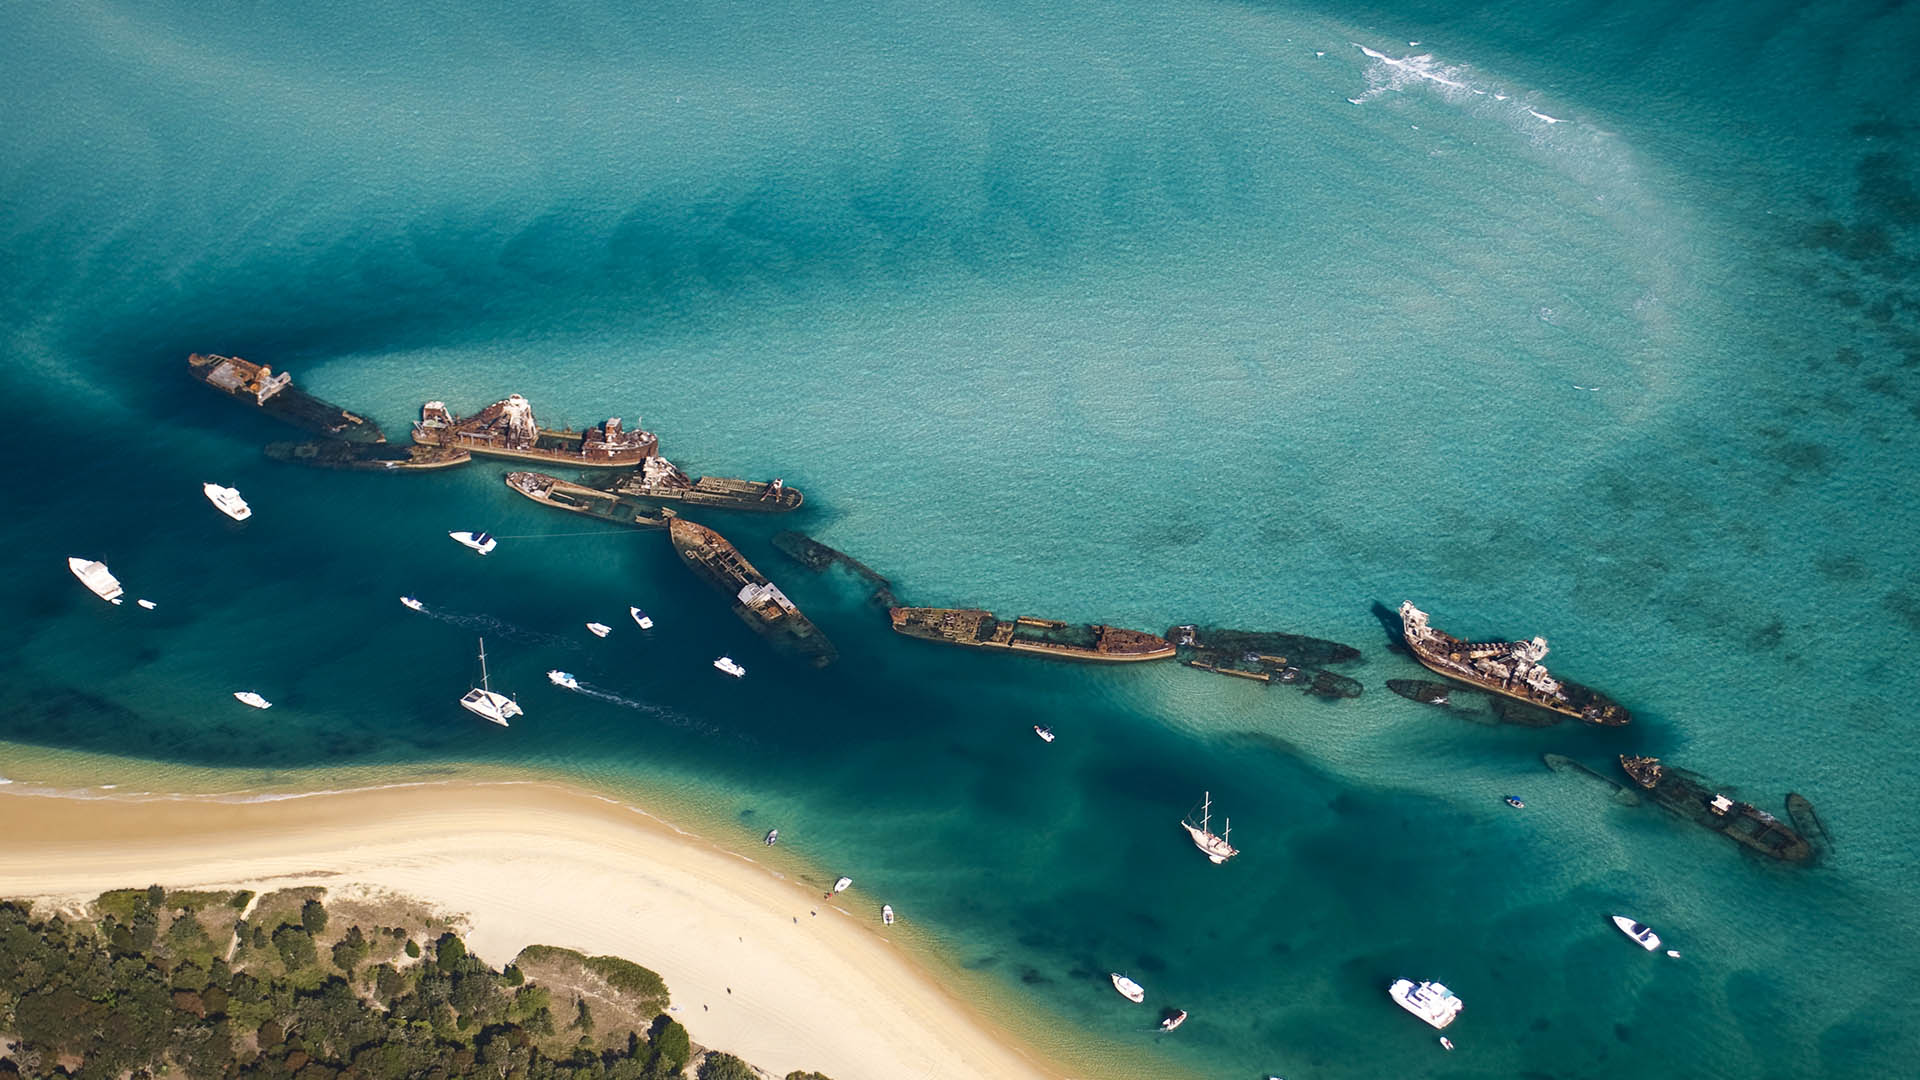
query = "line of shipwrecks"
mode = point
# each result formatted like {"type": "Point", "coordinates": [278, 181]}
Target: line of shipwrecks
{"type": "Point", "coordinates": [1487, 682]}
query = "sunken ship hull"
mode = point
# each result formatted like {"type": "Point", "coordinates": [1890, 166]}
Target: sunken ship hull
{"type": "Point", "coordinates": [1267, 657]}
{"type": "Point", "coordinates": [275, 395]}
{"type": "Point", "coordinates": [975, 628]}
{"type": "Point", "coordinates": [580, 499]}
{"type": "Point", "coordinates": [660, 480]}
{"type": "Point", "coordinates": [1475, 705]}
{"type": "Point", "coordinates": [507, 429]}
{"type": "Point", "coordinates": [367, 457]}
{"type": "Point", "coordinates": [817, 557]}
{"type": "Point", "coordinates": [759, 603]}
{"type": "Point", "coordinates": [1693, 797]}
{"type": "Point", "coordinates": [1511, 669]}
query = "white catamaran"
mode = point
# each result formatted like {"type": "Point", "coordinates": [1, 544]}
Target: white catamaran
{"type": "Point", "coordinates": [1215, 848]}
{"type": "Point", "coordinates": [95, 576]}
{"type": "Point", "coordinates": [484, 702]}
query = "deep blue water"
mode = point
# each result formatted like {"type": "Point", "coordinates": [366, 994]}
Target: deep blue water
{"type": "Point", "coordinates": [1595, 321]}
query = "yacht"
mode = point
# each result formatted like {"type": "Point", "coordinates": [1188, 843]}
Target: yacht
{"type": "Point", "coordinates": [1173, 1019]}
{"type": "Point", "coordinates": [599, 629]}
{"type": "Point", "coordinates": [148, 604]}
{"type": "Point", "coordinates": [228, 500]}
{"type": "Point", "coordinates": [773, 837]}
{"type": "Point", "coordinates": [413, 602]}
{"type": "Point", "coordinates": [95, 576]}
{"type": "Point", "coordinates": [727, 665]}
{"type": "Point", "coordinates": [478, 541]}
{"type": "Point", "coordinates": [483, 702]}
{"type": "Point", "coordinates": [1216, 848]}
{"type": "Point", "coordinates": [563, 678]}
{"type": "Point", "coordinates": [886, 914]}
{"type": "Point", "coordinates": [1129, 989]}
{"type": "Point", "coordinates": [642, 618]}
{"type": "Point", "coordinates": [1430, 1001]}
{"type": "Point", "coordinates": [250, 698]}
{"type": "Point", "coordinates": [1638, 931]}
{"type": "Point", "coordinates": [1514, 801]}
{"type": "Point", "coordinates": [1045, 733]}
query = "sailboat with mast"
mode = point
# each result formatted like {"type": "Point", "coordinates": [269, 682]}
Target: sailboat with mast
{"type": "Point", "coordinates": [482, 701]}
{"type": "Point", "coordinates": [1217, 849]}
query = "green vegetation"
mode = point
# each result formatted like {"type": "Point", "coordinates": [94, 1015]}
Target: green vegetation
{"type": "Point", "coordinates": [146, 988]}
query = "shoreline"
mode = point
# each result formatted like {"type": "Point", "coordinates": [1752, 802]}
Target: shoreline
{"type": "Point", "coordinates": [539, 862]}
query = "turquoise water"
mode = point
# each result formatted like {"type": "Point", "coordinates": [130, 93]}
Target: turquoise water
{"type": "Point", "coordinates": [1234, 313]}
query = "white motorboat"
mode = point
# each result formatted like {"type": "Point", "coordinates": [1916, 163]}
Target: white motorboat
{"type": "Point", "coordinates": [563, 678]}
{"type": "Point", "coordinates": [886, 914]}
{"type": "Point", "coordinates": [599, 629]}
{"type": "Point", "coordinates": [841, 885]}
{"type": "Point", "coordinates": [253, 699]}
{"type": "Point", "coordinates": [1446, 1043]}
{"type": "Point", "coordinates": [1129, 989]}
{"type": "Point", "coordinates": [478, 541]}
{"type": "Point", "coordinates": [148, 604]}
{"type": "Point", "coordinates": [228, 501]}
{"type": "Point", "coordinates": [1638, 931]}
{"type": "Point", "coordinates": [1430, 1001]}
{"type": "Point", "coordinates": [1045, 733]}
{"type": "Point", "coordinates": [482, 701]}
{"type": "Point", "coordinates": [642, 618]}
{"type": "Point", "coordinates": [1217, 849]}
{"type": "Point", "coordinates": [95, 576]}
{"type": "Point", "coordinates": [413, 603]}
{"type": "Point", "coordinates": [727, 665]}
{"type": "Point", "coordinates": [1173, 1019]}
{"type": "Point", "coordinates": [773, 837]}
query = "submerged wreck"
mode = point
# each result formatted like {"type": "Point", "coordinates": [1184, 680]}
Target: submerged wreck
{"type": "Point", "coordinates": [660, 480]}
{"type": "Point", "coordinates": [758, 601]}
{"type": "Point", "coordinates": [275, 395]}
{"type": "Point", "coordinates": [817, 557]}
{"type": "Point", "coordinates": [978, 629]}
{"type": "Point", "coordinates": [367, 457]}
{"type": "Point", "coordinates": [1695, 798]}
{"type": "Point", "coordinates": [1268, 657]}
{"type": "Point", "coordinates": [580, 499]}
{"type": "Point", "coordinates": [1474, 706]}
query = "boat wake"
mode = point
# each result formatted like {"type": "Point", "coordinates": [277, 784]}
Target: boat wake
{"type": "Point", "coordinates": [489, 626]}
{"type": "Point", "coordinates": [670, 717]}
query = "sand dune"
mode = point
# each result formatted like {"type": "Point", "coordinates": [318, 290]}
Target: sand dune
{"type": "Point", "coordinates": [527, 863]}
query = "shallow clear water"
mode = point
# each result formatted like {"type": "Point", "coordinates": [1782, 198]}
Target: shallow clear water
{"type": "Point", "coordinates": [1590, 321]}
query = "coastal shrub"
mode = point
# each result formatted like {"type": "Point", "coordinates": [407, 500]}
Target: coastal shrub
{"type": "Point", "coordinates": [449, 952]}
{"type": "Point", "coordinates": [669, 1048]}
{"type": "Point", "coordinates": [121, 903]}
{"type": "Point", "coordinates": [413, 948]}
{"type": "Point", "coordinates": [156, 896]}
{"type": "Point", "coordinates": [239, 901]}
{"type": "Point", "coordinates": [295, 947]}
{"type": "Point", "coordinates": [313, 917]}
{"type": "Point", "coordinates": [350, 951]}
{"type": "Point", "coordinates": [798, 1075]}
{"type": "Point", "coordinates": [719, 1066]}
{"type": "Point", "coordinates": [582, 1016]}
{"type": "Point", "coordinates": [511, 975]}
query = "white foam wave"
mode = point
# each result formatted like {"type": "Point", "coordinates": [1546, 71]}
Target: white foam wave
{"type": "Point", "coordinates": [1458, 83]}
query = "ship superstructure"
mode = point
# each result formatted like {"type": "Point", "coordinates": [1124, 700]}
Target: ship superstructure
{"type": "Point", "coordinates": [1512, 668]}
{"type": "Point", "coordinates": [508, 429]}
{"type": "Point", "coordinates": [661, 480]}
{"type": "Point", "coordinates": [1695, 798]}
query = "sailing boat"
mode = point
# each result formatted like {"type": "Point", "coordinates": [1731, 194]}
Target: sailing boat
{"type": "Point", "coordinates": [1216, 848]}
{"type": "Point", "coordinates": [482, 701]}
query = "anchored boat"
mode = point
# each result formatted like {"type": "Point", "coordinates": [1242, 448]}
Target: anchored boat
{"type": "Point", "coordinates": [1129, 989]}
{"type": "Point", "coordinates": [1642, 934]}
{"type": "Point", "coordinates": [248, 697]}
{"type": "Point", "coordinates": [599, 629]}
{"type": "Point", "coordinates": [483, 702]}
{"type": "Point", "coordinates": [1509, 668]}
{"type": "Point", "coordinates": [727, 664]}
{"type": "Point", "coordinates": [1430, 1001]}
{"type": "Point", "coordinates": [1217, 849]}
{"type": "Point", "coordinates": [96, 577]}
{"type": "Point", "coordinates": [478, 541]}
{"type": "Point", "coordinates": [228, 501]}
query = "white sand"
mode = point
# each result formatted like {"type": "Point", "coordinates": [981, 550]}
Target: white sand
{"type": "Point", "coordinates": [540, 863]}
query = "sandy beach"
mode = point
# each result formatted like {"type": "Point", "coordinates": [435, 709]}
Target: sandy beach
{"type": "Point", "coordinates": [752, 970]}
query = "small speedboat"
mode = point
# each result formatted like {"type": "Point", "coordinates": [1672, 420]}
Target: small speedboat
{"type": "Point", "coordinates": [250, 698]}
{"type": "Point", "coordinates": [1446, 1043]}
{"type": "Point", "coordinates": [642, 618]}
{"type": "Point", "coordinates": [478, 541]}
{"type": "Point", "coordinates": [1045, 733]}
{"type": "Point", "coordinates": [727, 665]}
{"type": "Point", "coordinates": [841, 885]}
{"type": "Point", "coordinates": [1129, 989]}
{"type": "Point", "coordinates": [599, 629]}
{"type": "Point", "coordinates": [773, 837]}
{"type": "Point", "coordinates": [886, 914]}
{"type": "Point", "coordinates": [148, 604]}
{"type": "Point", "coordinates": [563, 678]}
{"type": "Point", "coordinates": [413, 602]}
{"type": "Point", "coordinates": [228, 500]}
{"type": "Point", "coordinates": [1173, 1019]}
{"type": "Point", "coordinates": [1514, 801]}
{"type": "Point", "coordinates": [1637, 931]}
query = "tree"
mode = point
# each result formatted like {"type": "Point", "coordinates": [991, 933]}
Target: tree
{"type": "Point", "coordinates": [670, 1047]}
{"type": "Point", "coordinates": [583, 1017]}
{"type": "Point", "coordinates": [296, 947]}
{"type": "Point", "coordinates": [719, 1066]}
{"type": "Point", "coordinates": [449, 951]}
{"type": "Point", "coordinates": [349, 951]}
{"type": "Point", "coordinates": [799, 1075]}
{"type": "Point", "coordinates": [413, 948]}
{"type": "Point", "coordinates": [313, 917]}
